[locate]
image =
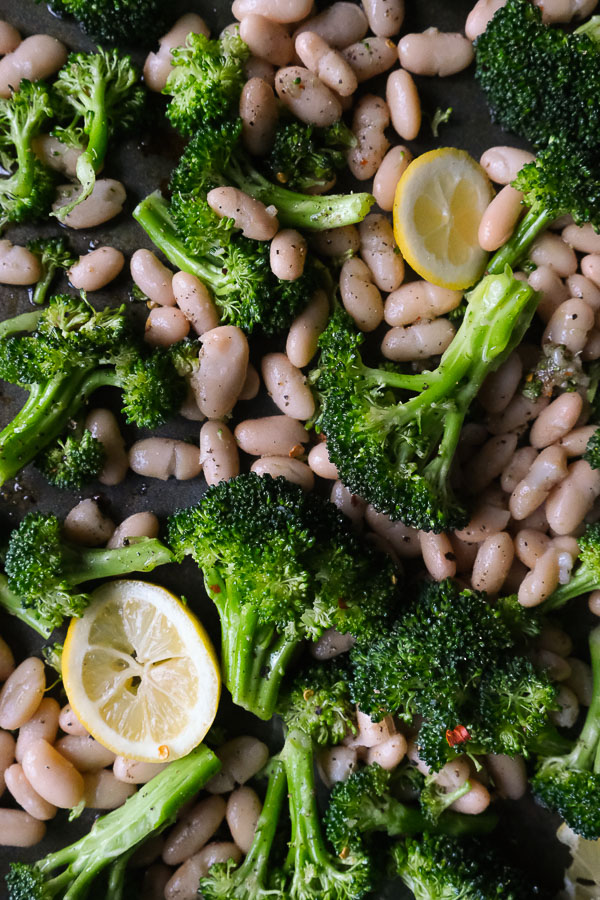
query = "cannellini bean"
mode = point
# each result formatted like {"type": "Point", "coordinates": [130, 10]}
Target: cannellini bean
{"type": "Point", "coordinates": [385, 17]}
{"type": "Point", "coordinates": [9, 37]}
{"type": "Point", "coordinates": [453, 774]}
{"type": "Point", "coordinates": [52, 776]}
{"type": "Point", "coordinates": [267, 39]}
{"type": "Point", "coordinates": [305, 95]}
{"type": "Point", "coordinates": [480, 15]}
{"type": "Point", "coordinates": [56, 155]}
{"type": "Point", "coordinates": [19, 829]}
{"type": "Point", "coordinates": [590, 266]}
{"type": "Point", "coordinates": [419, 341]}
{"type": "Point", "coordinates": [183, 884]}
{"type": "Point", "coordinates": [582, 238]}
{"type": "Point", "coordinates": [501, 164]}
{"type": "Point", "coordinates": [166, 325]}
{"type": "Point", "coordinates": [287, 386]}
{"type": "Point", "coordinates": [132, 771]}
{"type": "Point", "coordinates": [580, 286]}
{"type": "Point", "coordinates": [492, 563]}
{"type": "Point", "coordinates": [530, 545]}
{"type": "Point", "coordinates": [243, 810]}
{"type": "Point", "coordinates": [435, 52]}
{"type": "Point", "coordinates": [379, 251]}
{"type": "Point", "coordinates": [371, 57]}
{"type": "Point", "coordinates": [43, 724]}
{"type": "Point", "coordinates": [486, 521]}
{"type": "Point", "coordinates": [493, 458]}
{"type": "Point", "coordinates": [164, 457]}
{"type": "Point", "coordinates": [255, 220]}
{"type": "Point", "coordinates": [371, 118]}
{"type": "Point", "coordinates": [22, 693]}
{"type": "Point", "coordinates": [340, 24]}
{"type": "Point", "coordinates": [438, 555]}
{"type": "Point", "coordinates": [509, 775]}
{"type": "Point", "coordinates": [218, 452]}
{"type": "Point", "coordinates": [86, 754]}
{"type": "Point", "coordinates": [548, 470]}
{"type": "Point", "coordinates": [541, 581]}
{"type": "Point", "coordinates": [327, 63]}
{"type": "Point", "coordinates": [259, 68]}
{"type": "Point", "coordinates": [389, 754]}
{"type": "Point", "coordinates": [189, 408]}
{"type": "Point", "coordinates": [7, 755]}
{"type": "Point", "coordinates": [581, 680]}
{"type": "Point", "coordinates": [104, 203]}
{"type": "Point", "coordinates": [38, 56]}
{"type": "Point", "coordinates": [392, 167]}
{"type": "Point", "coordinates": [566, 715]}
{"type": "Point", "coordinates": [336, 764]}
{"type": "Point", "coordinates": [26, 796]}
{"type": "Point", "coordinates": [156, 878]}
{"type": "Point", "coordinates": [271, 436]}
{"type": "Point", "coordinates": [517, 468]}
{"type": "Point", "coordinates": [499, 219]}
{"type": "Point", "coordinates": [404, 104]}
{"type": "Point", "coordinates": [537, 520]}
{"type": "Point", "coordinates": [319, 462]}
{"type": "Point", "coordinates": [193, 830]}
{"type": "Point", "coordinates": [288, 254]}
{"type": "Point", "coordinates": [556, 420]}
{"type": "Point", "coordinates": [283, 467]}
{"type": "Point", "coordinates": [157, 66]}
{"type": "Point", "coordinates": [241, 758]}
{"type": "Point", "coordinates": [153, 278]}
{"type": "Point", "coordinates": [573, 498]}
{"type": "Point", "coordinates": [194, 300]}
{"type": "Point", "coordinates": [18, 265]}
{"type": "Point", "coordinates": [360, 296]}
{"type": "Point", "coordinates": [594, 603]}
{"type": "Point", "coordinates": [331, 644]}
{"type": "Point", "coordinates": [348, 503]}
{"type": "Point", "coordinates": [464, 554]}
{"type": "Point", "coordinates": [551, 636]}
{"type": "Point", "coordinates": [519, 411]}
{"type": "Point", "coordinates": [575, 442]}
{"type": "Point", "coordinates": [220, 376]}
{"type": "Point", "coordinates": [94, 270]}
{"type": "Point", "coordinates": [553, 291]}
{"type": "Point", "coordinates": [7, 660]}
{"type": "Point", "coordinates": [258, 112]}
{"type": "Point", "coordinates": [103, 791]}
{"type": "Point", "coordinates": [404, 540]}
{"type": "Point", "coordinates": [419, 300]}
{"type": "Point", "coordinates": [69, 722]}
{"type": "Point", "coordinates": [550, 250]}
{"type": "Point", "coordinates": [475, 801]}
{"type": "Point", "coordinates": [303, 336]}
{"type": "Point", "coordinates": [284, 11]}
{"type": "Point", "coordinates": [104, 427]}
{"type": "Point", "coordinates": [142, 524]}
{"type": "Point", "coordinates": [336, 242]}
{"type": "Point", "coordinates": [555, 11]}
{"type": "Point", "coordinates": [370, 733]}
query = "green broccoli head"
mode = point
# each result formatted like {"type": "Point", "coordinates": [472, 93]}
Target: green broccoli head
{"type": "Point", "coordinates": [152, 390]}
{"type": "Point", "coordinates": [72, 463]}
{"type": "Point", "coordinates": [54, 254]}
{"type": "Point", "coordinates": [304, 157]}
{"type": "Point", "coordinates": [572, 793]}
{"type": "Point", "coordinates": [358, 805]}
{"type": "Point", "coordinates": [318, 702]}
{"type": "Point", "coordinates": [117, 22]}
{"type": "Point", "coordinates": [25, 882]}
{"type": "Point", "coordinates": [592, 451]}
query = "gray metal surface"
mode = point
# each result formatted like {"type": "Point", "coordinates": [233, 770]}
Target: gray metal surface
{"type": "Point", "coordinates": [143, 163]}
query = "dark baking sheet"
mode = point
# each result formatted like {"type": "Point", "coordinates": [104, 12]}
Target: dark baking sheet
{"type": "Point", "coordinates": [143, 164]}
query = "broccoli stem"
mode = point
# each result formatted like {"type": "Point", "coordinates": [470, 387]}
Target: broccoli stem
{"type": "Point", "coordinates": [93, 156]}
{"type": "Point", "coordinates": [141, 555]}
{"type": "Point", "coordinates": [582, 582]}
{"type": "Point", "coordinates": [255, 868]}
{"type": "Point", "coordinates": [586, 752]}
{"type": "Point", "coordinates": [14, 606]}
{"type": "Point", "coordinates": [41, 289]}
{"type": "Point", "coordinates": [306, 844]}
{"type": "Point", "coordinates": [511, 253]}
{"type": "Point", "coordinates": [18, 324]}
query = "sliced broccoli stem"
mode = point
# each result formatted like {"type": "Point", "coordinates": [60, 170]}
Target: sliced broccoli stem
{"type": "Point", "coordinates": [141, 555]}
{"type": "Point", "coordinates": [278, 660]}
{"type": "Point", "coordinates": [586, 752]}
{"type": "Point", "coordinates": [582, 582]}
{"type": "Point", "coordinates": [255, 868]}
{"type": "Point", "coordinates": [41, 289]}
{"type": "Point", "coordinates": [18, 324]}
{"type": "Point", "coordinates": [513, 252]}
{"type": "Point", "coordinates": [14, 606]}
{"type": "Point", "coordinates": [93, 156]}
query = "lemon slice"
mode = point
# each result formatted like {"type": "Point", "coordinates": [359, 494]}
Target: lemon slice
{"type": "Point", "coordinates": [438, 206]}
{"type": "Point", "coordinates": [141, 673]}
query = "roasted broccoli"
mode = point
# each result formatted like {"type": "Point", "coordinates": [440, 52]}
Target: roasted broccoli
{"type": "Point", "coordinates": [281, 566]}
{"type": "Point", "coordinates": [307, 159]}
{"type": "Point", "coordinates": [72, 463]}
{"type": "Point", "coordinates": [70, 872]}
{"type": "Point", "coordinates": [54, 254]}
{"type": "Point", "coordinates": [397, 451]}
{"type": "Point", "coordinates": [13, 605]}
{"type": "Point", "coordinates": [28, 188]}
{"type": "Point", "coordinates": [116, 22]}
{"type": "Point", "coordinates": [64, 353]}
{"type": "Point", "coordinates": [317, 701]}
{"type": "Point", "coordinates": [586, 575]}
{"type": "Point", "coordinates": [592, 450]}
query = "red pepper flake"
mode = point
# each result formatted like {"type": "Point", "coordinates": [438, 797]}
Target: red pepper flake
{"type": "Point", "coordinates": [458, 735]}
{"type": "Point", "coordinates": [342, 603]}
{"type": "Point", "coordinates": [214, 588]}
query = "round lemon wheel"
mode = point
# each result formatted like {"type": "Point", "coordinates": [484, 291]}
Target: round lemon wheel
{"type": "Point", "coordinates": [141, 673]}
{"type": "Point", "coordinates": [438, 206]}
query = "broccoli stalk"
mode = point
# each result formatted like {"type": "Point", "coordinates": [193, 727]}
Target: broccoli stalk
{"type": "Point", "coordinates": [102, 91]}
{"type": "Point", "coordinates": [570, 784]}
{"type": "Point", "coordinates": [116, 21]}
{"type": "Point", "coordinates": [13, 605]}
{"type": "Point", "coordinates": [43, 569]}
{"type": "Point", "coordinates": [53, 254]}
{"type": "Point", "coordinates": [70, 872]}
{"type": "Point", "coordinates": [586, 576]}
{"type": "Point", "coordinates": [397, 453]}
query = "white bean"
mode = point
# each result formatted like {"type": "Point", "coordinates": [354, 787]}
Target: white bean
{"type": "Point", "coordinates": [152, 277]}
{"type": "Point", "coordinates": [570, 325]}
{"type": "Point", "coordinates": [284, 11]}
{"type": "Point", "coordinates": [157, 66]}
{"type": "Point", "coordinates": [517, 468]}
{"type": "Point", "coordinates": [541, 581]}
{"type": "Point", "coordinates": [361, 298]}
{"type": "Point", "coordinates": [331, 644]}
{"type": "Point", "coordinates": [9, 37]}
{"type": "Point", "coordinates": [573, 498]}
{"type": "Point", "coordinates": [56, 155]}
{"type": "Point", "coordinates": [243, 810]}
{"type": "Point", "coordinates": [165, 326]}
{"type": "Point", "coordinates": [253, 218]}
{"type": "Point", "coordinates": [392, 167]}
{"type": "Point", "coordinates": [370, 57]}
{"type": "Point", "coordinates": [26, 796]}
{"type": "Point", "coordinates": [103, 791]}
{"type": "Point", "coordinates": [404, 540]}
{"type": "Point", "coordinates": [327, 63]}
{"type": "Point", "coordinates": [287, 386]}
{"type": "Point", "coordinates": [566, 715]}
{"type": "Point", "coordinates": [556, 420]}
{"type": "Point", "coordinates": [258, 112]}
{"type": "Point", "coordinates": [501, 164]}
{"type": "Point", "coordinates": [590, 266]}
{"type": "Point", "coordinates": [453, 774]}
{"type": "Point", "coordinates": [404, 104]}
{"type": "Point", "coordinates": [104, 203]}
{"type": "Point", "coordinates": [517, 414]}
{"type": "Point", "coordinates": [7, 660]}
{"type": "Point", "coordinates": [86, 754]}
{"type": "Point", "coordinates": [283, 467]}
{"type": "Point", "coordinates": [370, 733]}
{"type": "Point", "coordinates": [548, 470]}
{"type": "Point", "coordinates": [559, 11]}
{"type": "Point", "coordinates": [288, 254]}
{"type": "Point", "coordinates": [336, 764]}
{"type": "Point", "coordinates": [500, 218]}
{"type": "Point", "coordinates": [301, 343]}
{"type": "Point", "coordinates": [379, 251]}
{"type": "Point", "coordinates": [489, 462]}
{"type": "Point", "coordinates": [385, 17]}
{"type": "Point", "coordinates": [94, 270]}
{"type": "Point", "coordinates": [580, 286]}
{"type": "Point", "coordinates": [438, 555]}
{"type": "Point", "coordinates": [19, 829]}
{"type": "Point", "coordinates": [319, 462]}
{"type": "Point", "coordinates": [22, 693]}
{"type": "Point", "coordinates": [550, 250]}
{"type": "Point", "coordinates": [194, 300]}
{"type": "Point", "coordinates": [193, 830]}
{"type": "Point", "coordinates": [43, 724]}
{"type": "Point", "coordinates": [271, 436]}
{"type": "Point", "coordinates": [104, 427]}
{"type": "Point", "coordinates": [352, 506]}
{"type": "Point", "coordinates": [69, 722]}
{"type": "Point", "coordinates": [419, 300]}
{"type": "Point", "coordinates": [371, 118]}
{"type": "Point", "coordinates": [156, 878]}
{"type": "Point", "coordinates": [551, 636]}
{"type": "Point", "coordinates": [132, 771]}
{"type": "Point", "coordinates": [389, 754]}
{"type": "Point", "coordinates": [582, 238]}
{"type": "Point", "coordinates": [183, 884]}
{"type": "Point", "coordinates": [594, 603]}
{"type": "Point", "coordinates": [336, 242]}
{"type": "Point", "coordinates": [464, 554]}
{"type": "Point", "coordinates": [340, 24]}
{"type": "Point", "coordinates": [434, 52]}
{"type": "Point", "coordinates": [260, 68]}
{"type": "Point", "coordinates": [251, 385]}
{"type": "Point", "coordinates": [220, 376]}
{"type": "Point", "coordinates": [18, 265]}
{"type": "Point", "coordinates": [241, 758]}
{"type": "Point", "coordinates": [38, 56]}
{"type": "Point", "coordinates": [530, 545]}
{"type": "Point", "coordinates": [267, 39]}
{"type": "Point", "coordinates": [420, 341]}
{"type": "Point", "coordinates": [581, 680]}
{"type": "Point", "coordinates": [575, 442]}
{"type": "Point", "coordinates": [142, 524]}
{"type": "Point", "coordinates": [509, 775]}
{"type": "Point", "coordinates": [218, 452]}
{"type": "Point", "coordinates": [7, 755]}
{"type": "Point", "coordinates": [52, 776]}
{"type": "Point", "coordinates": [553, 291]}
{"type": "Point", "coordinates": [164, 457]}
{"type": "Point", "coordinates": [305, 95]}
{"type": "Point", "coordinates": [492, 563]}
{"type": "Point", "coordinates": [475, 801]}
{"type": "Point", "coordinates": [486, 521]}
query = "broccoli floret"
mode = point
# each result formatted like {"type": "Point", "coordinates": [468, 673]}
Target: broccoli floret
{"type": "Point", "coordinates": [237, 270]}
{"type": "Point", "coordinates": [556, 370]}
{"type": "Point", "coordinates": [206, 81]}
{"type": "Point", "coordinates": [318, 702]}
{"type": "Point", "coordinates": [450, 658]}
{"type": "Point", "coordinates": [70, 872]}
{"type": "Point", "coordinates": [64, 353]}
{"type": "Point", "coordinates": [586, 575]}
{"type": "Point", "coordinates": [101, 95]}
{"type": "Point", "coordinates": [592, 451]}
{"type": "Point", "coordinates": [116, 22]}
{"type": "Point", "coordinates": [305, 158]}
{"type": "Point", "coordinates": [215, 156]}
{"type": "Point", "coordinates": [281, 566]}
{"type": "Point", "coordinates": [72, 463]}
{"type": "Point", "coordinates": [13, 605]}
{"type": "Point", "coordinates": [27, 191]}
{"type": "Point", "coordinates": [44, 569]}
{"type": "Point", "coordinates": [395, 452]}
{"type": "Point", "coordinates": [53, 254]}
{"type": "Point", "coordinates": [570, 784]}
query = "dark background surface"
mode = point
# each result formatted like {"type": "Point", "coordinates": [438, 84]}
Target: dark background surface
{"type": "Point", "coordinates": [143, 164]}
